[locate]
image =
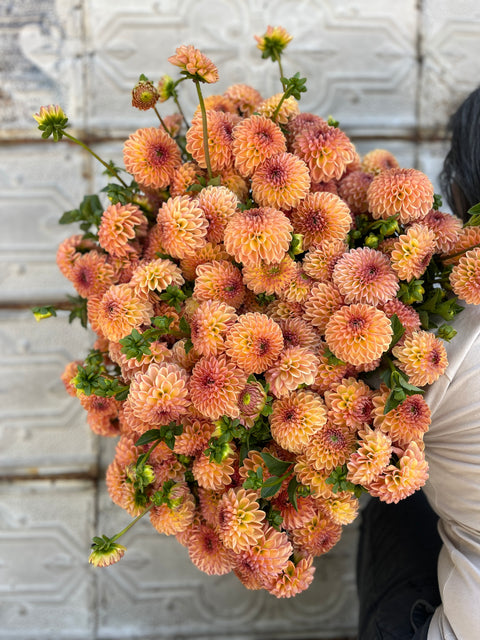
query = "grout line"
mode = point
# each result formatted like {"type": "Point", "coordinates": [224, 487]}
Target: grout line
{"type": "Point", "coordinates": [418, 84]}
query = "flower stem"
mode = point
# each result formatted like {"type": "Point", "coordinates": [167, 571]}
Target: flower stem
{"type": "Point", "coordinates": [277, 109]}
{"type": "Point", "coordinates": [87, 148]}
{"type": "Point", "coordinates": [277, 57]}
{"type": "Point", "coordinates": [205, 129]}
{"type": "Point", "coordinates": [462, 252]}
{"type": "Point", "coordinates": [130, 525]}
{"type": "Point", "coordinates": [162, 122]}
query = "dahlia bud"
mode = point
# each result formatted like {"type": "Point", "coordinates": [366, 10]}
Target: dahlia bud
{"type": "Point", "coordinates": [273, 42]}
{"type": "Point", "coordinates": [52, 121]}
{"type": "Point", "coordinates": [371, 241]}
{"type": "Point", "coordinates": [144, 94]}
{"type": "Point", "coordinates": [166, 88]}
{"type": "Point", "coordinates": [105, 552]}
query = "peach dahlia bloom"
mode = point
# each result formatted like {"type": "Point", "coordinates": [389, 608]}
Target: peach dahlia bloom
{"type": "Point", "coordinates": [219, 280]}
{"type": "Point", "coordinates": [447, 229]}
{"type": "Point", "coordinates": [207, 552]}
{"type": "Point", "coordinates": [183, 226]}
{"type": "Point", "coordinates": [324, 300]}
{"type": "Point", "coordinates": [350, 403]}
{"type": "Point", "coordinates": [254, 342]}
{"type": "Point", "coordinates": [177, 515]}
{"type": "Point", "coordinates": [288, 110]}
{"type": "Point", "coordinates": [296, 418]}
{"type": "Point", "coordinates": [151, 156]}
{"type": "Point", "coordinates": [330, 447]}
{"type": "Point", "coordinates": [240, 520]}
{"type": "Point", "coordinates": [412, 252]}
{"type": "Point", "coordinates": [295, 366]}
{"type": "Point", "coordinates": [399, 482]}
{"type": "Point", "coordinates": [294, 579]}
{"type": "Point", "coordinates": [120, 310]}
{"type": "Point", "coordinates": [207, 253]}
{"type": "Point", "coordinates": [317, 537]}
{"type": "Point", "coordinates": [256, 139]}
{"type": "Point", "coordinates": [422, 357]}
{"type": "Point", "coordinates": [220, 127]}
{"type": "Point", "coordinates": [320, 261]}
{"type": "Point", "coordinates": [218, 204]}
{"type": "Point", "coordinates": [270, 278]}
{"type": "Point", "coordinates": [365, 275]}
{"type": "Point", "coordinates": [117, 228]}
{"type": "Point", "coordinates": [378, 160]}
{"type": "Point", "coordinates": [258, 235]}
{"type": "Point", "coordinates": [353, 190]}
{"type": "Point", "coordinates": [371, 458]}
{"type": "Point", "coordinates": [465, 277]}
{"type": "Point", "coordinates": [156, 275]}
{"type": "Point", "coordinates": [194, 62]}
{"type": "Point", "coordinates": [321, 217]}
{"type": "Point", "coordinates": [281, 181]}
{"type": "Point", "coordinates": [245, 98]}
{"type": "Point", "coordinates": [215, 385]}
{"type": "Point", "coordinates": [269, 556]}
{"type": "Point", "coordinates": [406, 192]}
{"type": "Point", "coordinates": [212, 475]}
{"type": "Point", "coordinates": [408, 421]}
{"type": "Point", "coordinates": [358, 334]}
{"type": "Point", "coordinates": [91, 274]}
{"type": "Point", "coordinates": [209, 325]}
{"type": "Point", "coordinates": [159, 395]}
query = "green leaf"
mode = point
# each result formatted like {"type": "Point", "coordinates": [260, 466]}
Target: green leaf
{"type": "Point", "coordinates": [149, 436]}
{"type": "Point", "coordinates": [397, 328]}
{"type": "Point", "coordinates": [437, 201]}
{"type": "Point", "coordinates": [68, 217]}
{"type": "Point", "coordinates": [274, 465]}
{"type": "Point", "coordinates": [188, 346]}
{"type": "Point", "coordinates": [475, 209]}
{"type": "Point", "coordinates": [292, 492]}
{"type": "Point", "coordinates": [270, 487]}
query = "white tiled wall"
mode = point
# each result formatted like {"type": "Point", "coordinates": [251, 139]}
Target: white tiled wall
{"type": "Point", "coordinates": [390, 72]}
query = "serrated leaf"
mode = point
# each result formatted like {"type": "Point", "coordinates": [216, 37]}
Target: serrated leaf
{"type": "Point", "coordinates": [269, 490]}
{"type": "Point", "coordinates": [274, 465]}
{"type": "Point", "coordinates": [397, 328]}
{"type": "Point", "coordinates": [68, 217]}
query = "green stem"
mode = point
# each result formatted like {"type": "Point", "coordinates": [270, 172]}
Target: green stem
{"type": "Point", "coordinates": [175, 99]}
{"type": "Point", "coordinates": [87, 148]}
{"type": "Point", "coordinates": [205, 129]}
{"type": "Point", "coordinates": [282, 99]}
{"type": "Point", "coordinates": [460, 253]}
{"type": "Point", "coordinates": [129, 526]}
{"type": "Point", "coordinates": [162, 121]}
{"type": "Point", "coordinates": [277, 57]}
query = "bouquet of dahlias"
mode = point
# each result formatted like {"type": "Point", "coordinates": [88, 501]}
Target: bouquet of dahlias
{"type": "Point", "coordinates": [268, 309]}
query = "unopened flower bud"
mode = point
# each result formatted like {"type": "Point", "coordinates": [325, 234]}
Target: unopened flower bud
{"type": "Point", "coordinates": [52, 121]}
{"type": "Point", "coordinates": [371, 241]}
{"type": "Point", "coordinates": [144, 94]}
{"type": "Point", "coordinates": [273, 42]}
{"type": "Point", "coordinates": [103, 555]}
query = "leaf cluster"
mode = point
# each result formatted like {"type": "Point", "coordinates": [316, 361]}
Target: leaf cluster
{"type": "Point", "coordinates": [88, 214]}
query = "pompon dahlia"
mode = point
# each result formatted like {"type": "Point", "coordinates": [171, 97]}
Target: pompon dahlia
{"type": "Point", "coordinates": [406, 192]}
{"type": "Point", "coordinates": [378, 160]}
{"type": "Point", "coordinates": [281, 309]}
{"type": "Point", "coordinates": [295, 366]}
{"type": "Point", "coordinates": [231, 179]}
{"type": "Point", "coordinates": [288, 109]}
{"type": "Point", "coordinates": [219, 280]}
{"type": "Point", "coordinates": [447, 229]}
{"type": "Point", "coordinates": [207, 552]}
{"type": "Point", "coordinates": [258, 235]}
{"type": "Point", "coordinates": [117, 228]}
{"type": "Point", "coordinates": [329, 374]}
{"type": "Point", "coordinates": [350, 403]}
{"type": "Point", "coordinates": [209, 500]}
{"type": "Point", "coordinates": [353, 190]}
{"type": "Point", "coordinates": [365, 275]}
{"type": "Point", "coordinates": [422, 357]}
{"type": "Point", "coordinates": [69, 250]}
{"type": "Point", "coordinates": [245, 98]}
{"type": "Point", "coordinates": [183, 226]}
{"type": "Point", "coordinates": [184, 176]}
{"type": "Point", "coordinates": [209, 325]}
{"type": "Point", "coordinates": [256, 139]}
{"type": "Point", "coordinates": [91, 274]}
{"type": "Point", "coordinates": [322, 217]}
{"type": "Point", "coordinates": [315, 480]}
{"type": "Point", "coordinates": [207, 253]}
{"type": "Point", "coordinates": [326, 150]}
{"type": "Point", "coordinates": [269, 556]}
{"type": "Point", "coordinates": [324, 300]}
{"type": "Point", "coordinates": [358, 334]}
{"type": "Point", "coordinates": [294, 517]}
{"type": "Point", "coordinates": [67, 376]}
{"type": "Point", "coordinates": [412, 252]}
{"type": "Point", "coordinates": [177, 513]}
{"type": "Point", "coordinates": [405, 313]}
{"type": "Point", "coordinates": [299, 288]}
{"type": "Point", "coordinates": [397, 483]}
{"type": "Point", "coordinates": [120, 310]}
{"type": "Point", "coordinates": [159, 395]}
{"type": "Point", "coordinates": [469, 237]}
{"type": "Point", "coordinates": [194, 437]}
{"type": "Point", "coordinates": [299, 333]}
{"type": "Point", "coordinates": [294, 579]}
{"type": "Point", "coordinates": [270, 278]}
{"type": "Point", "coordinates": [281, 181]}
{"type": "Point", "coordinates": [240, 520]}
{"type": "Point", "coordinates": [465, 277]}
{"type": "Point", "coordinates": [341, 507]}
{"type": "Point", "coordinates": [303, 121]}
{"type": "Point", "coordinates": [220, 140]}
{"type": "Point", "coordinates": [254, 342]}
{"type": "Point", "coordinates": [408, 421]}
{"type": "Point", "coordinates": [151, 156]}
{"type": "Point", "coordinates": [296, 418]}
{"type": "Point", "coordinates": [180, 356]}
{"type": "Point", "coordinates": [317, 537]}
{"type": "Point", "coordinates": [319, 262]}
{"type": "Point", "coordinates": [251, 401]}
{"type": "Point", "coordinates": [218, 204]}
{"type": "Point", "coordinates": [371, 458]}
{"type": "Point", "coordinates": [216, 102]}
{"type": "Point", "coordinates": [153, 243]}
{"type": "Point", "coordinates": [214, 385]}
{"type": "Point", "coordinates": [212, 475]}
{"type": "Point", "coordinates": [156, 275]}
{"type": "Point", "coordinates": [194, 62]}
{"type": "Point", "coordinates": [330, 446]}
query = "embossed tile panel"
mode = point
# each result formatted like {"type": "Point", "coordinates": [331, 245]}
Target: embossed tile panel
{"type": "Point", "coordinates": [451, 54]}
{"type": "Point", "coordinates": [38, 183]}
{"type": "Point", "coordinates": [42, 429]}
{"type": "Point", "coordinates": [156, 591]}
{"type": "Point", "coordinates": [430, 161]}
{"type": "Point", "coordinates": [47, 588]}
{"type": "Point", "coordinates": [41, 61]}
{"type": "Point", "coordinates": [359, 57]}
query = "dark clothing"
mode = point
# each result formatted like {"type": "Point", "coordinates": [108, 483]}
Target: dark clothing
{"type": "Point", "coordinates": [397, 569]}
